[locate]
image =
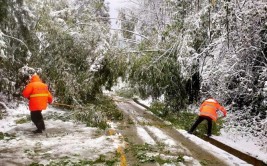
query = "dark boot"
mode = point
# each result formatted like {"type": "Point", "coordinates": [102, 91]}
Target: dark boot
{"type": "Point", "coordinates": [42, 125]}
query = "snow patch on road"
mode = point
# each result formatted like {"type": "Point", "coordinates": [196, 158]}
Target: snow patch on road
{"type": "Point", "coordinates": [161, 136]}
{"type": "Point", "coordinates": [145, 136]}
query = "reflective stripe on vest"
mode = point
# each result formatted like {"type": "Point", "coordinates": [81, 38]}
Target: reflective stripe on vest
{"type": "Point", "coordinates": [210, 105]}
{"type": "Point", "coordinates": [39, 95]}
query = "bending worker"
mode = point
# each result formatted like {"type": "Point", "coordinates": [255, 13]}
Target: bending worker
{"type": "Point", "coordinates": [208, 111]}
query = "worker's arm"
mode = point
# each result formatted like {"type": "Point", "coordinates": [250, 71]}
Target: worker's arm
{"type": "Point", "coordinates": [223, 110]}
{"type": "Point", "coordinates": [27, 91]}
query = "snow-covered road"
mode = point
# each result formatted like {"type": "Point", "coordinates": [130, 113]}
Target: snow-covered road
{"type": "Point", "coordinates": [171, 143]}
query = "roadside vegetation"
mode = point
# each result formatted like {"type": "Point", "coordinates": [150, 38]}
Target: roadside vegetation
{"type": "Point", "coordinates": [1, 115]}
{"type": "Point", "coordinates": [26, 119]}
{"type": "Point", "coordinates": [6, 136]}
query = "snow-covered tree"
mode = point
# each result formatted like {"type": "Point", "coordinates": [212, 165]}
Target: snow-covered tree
{"type": "Point", "coordinates": [67, 40]}
{"type": "Point", "coordinates": [219, 46]}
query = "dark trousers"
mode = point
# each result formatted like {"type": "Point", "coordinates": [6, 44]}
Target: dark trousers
{"type": "Point", "coordinates": [37, 119]}
{"type": "Point", "coordinates": [199, 120]}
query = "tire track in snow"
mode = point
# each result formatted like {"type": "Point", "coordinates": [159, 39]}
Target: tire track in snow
{"type": "Point", "coordinates": [145, 136]}
{"type": "Point", "coordinates": [154, 136]}
{"type": "Point", "coordinates": [150, 131]}
{"type": "Point", "coordinates": [161, 136]}
{"type": "Point", "coordinates": [142, 133]}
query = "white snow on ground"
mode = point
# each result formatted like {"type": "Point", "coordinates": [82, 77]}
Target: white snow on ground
{"type": "Point", "coordinates": [145, 136]}
{"type": "Point", "coordinates": [161, 136]}
{"type": "Point", "coordinates": [225, 156]}
{"type": "Point", "coordinates": [61, 139]}
{"type": "Point", "coordinates": [244, 145]}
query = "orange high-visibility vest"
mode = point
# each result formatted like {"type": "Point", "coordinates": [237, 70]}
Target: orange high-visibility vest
{"type": "Point", "coordinates": [209, 108]}
{"type": "Point", "coordinates": [38, 94]}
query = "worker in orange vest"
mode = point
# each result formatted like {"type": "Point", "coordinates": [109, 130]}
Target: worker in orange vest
{"type": "Point", "coordinates": [38, 94]}
{"type": "Point", "coordinates": [208, 111]}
